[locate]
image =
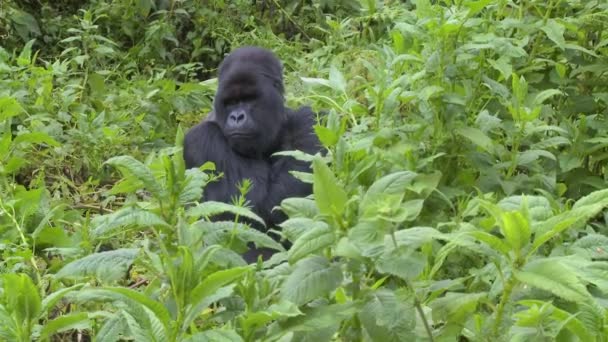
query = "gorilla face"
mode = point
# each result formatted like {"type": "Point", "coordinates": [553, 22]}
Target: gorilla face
{"type": "Point", "coordinates": [249, 102]}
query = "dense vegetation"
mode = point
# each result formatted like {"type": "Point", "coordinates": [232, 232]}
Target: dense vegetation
{"type": "Point", "coordinates": [462, 199]}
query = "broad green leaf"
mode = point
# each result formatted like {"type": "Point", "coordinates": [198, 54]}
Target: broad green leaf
{"type": "Point", "coordinates": [545, 94]}
{"type": "Point", "coordinates": [25, 57]}
{"type": "Point", "coordinates": [336, 79]}
{"type": "Point", "coordinates": [477, 137]}
{"type": "Point", "coordinates": [215, 335]}
{"type": "Point", "coordinates": [112, 329]}
{"type": "Point", "coordinates": [520, 88]}
{"type": "Point", "coordinates": [599, 197]}
{"type": "Point", "coordinates": [223, 233]}
{"type": "Point", "coordinates": [9, 107]}
{"type": "Point", "coordinates": [538, 207]}
{"type": "Point", "coordinates": [194, 310]}
{"type": "Point", "coordinates": [555, 32]}
{"type": "Point", "coordinates": [583, 210]}
{"type": "Point", "coordinates": [551, 275]}
{"type": "Point", "coordinates": [503, 65]}
{"type": "Point", "coordinates": [132, 217]}
{"type": "Point", "coordinates": [105, 266]}
{"type": "Point", "coordinates": [299, 207]}
{"type": "Point", "coordinates": [139, 326]}
{"type": "Point", "coordinates": [456, 307]}
{"type": "Point", "coordinates": [209, 208]}
{"type": "Point", "coordinates": [595, 273]}
{"type": "Point", "coordinates": [35, 138]}
{"type": "Point", "coordinates": [311, 278]}
{"type": "Point", "coordinates": [491, 240]}
{"type": "Point", "coordinates": [8, 326]}
{"type": "Point", "coordinates": [315, 239]}
{"type": "Point", "coordinates": [572, 323]}
{"type": "Point", "coordinates": [392, 184]}
{"type": "Point", "coordinates": [192, 189]}
{"type": "Point", "coordinates": [425, 184]}
{"type": "Point", "coordinates": [22, 297]}
{"type": "Point", "coordinates": [215, 281]}
{"type": "Point", "coordinates": [516, 229]}
{"type": "Point", "coordinates": [316, 318]}
{"type": "Point", "coordinates": [293, 228]}
{"type": "Point", "coordinates": [77, 320]}
{"type": "Point", "coordinates": [49, 301]}
{"type": "Point", "coordinates": [413, 237]}
{"type": "Point", "coordinates": [315, 82]}
{"type": "Point", "coordinates": [386, 317]}
{"type": "Point", "coordinates": [130, 166]}
{"type": "Point", "coordinates": [592, 246]}
{"type": "Point", "coordinates": [273, 312]}
{"type": "Point", "coordinates": [158, 310]}
{"type": "Point", "coordinates": [402, 262]}
{"type": "Point", "coordinates": [330, 197]}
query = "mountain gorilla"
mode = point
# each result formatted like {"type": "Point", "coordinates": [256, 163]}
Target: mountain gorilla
{"type": "Point", "coordinates": [248, 124]}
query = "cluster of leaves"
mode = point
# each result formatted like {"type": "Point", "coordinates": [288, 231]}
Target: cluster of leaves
{"type": "Point", "coordinates": [462, 197]}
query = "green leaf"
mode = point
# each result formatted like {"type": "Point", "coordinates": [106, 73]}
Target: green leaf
{"type": "Point", "coordinates": [583, 210]}
{"type": "Point", "coordinates": [503, 65]}
{"type": "Point", "coordinates": [329, 196]}
{"type": "Point", "coordinates": [516, 229]}
{"type": "Point", "coordinates": [477, 137]}
{"type": "Point", "coordinates": [545, 94]}
{"type": "Point", "coordinates": [386, 317]}
{"type": "Point", "coordinates": [555, 32]}
{"type": "Point", "coordinates": [49, 301]}
{"type": "Point", "coordinates": [273, 312]}
{"type": "Point", "coordinates": [456, 307]}
{"type": "Point", "coordinates": [9, 107]}
{"type": "Point", "coordinates": [105, 266]}
{"type": "Point", "coordinates": [551, 275]}
{"type": "Point", "coordinates": [109, 225]}
{"type": "Point", "coordinates": [195, 310]}
{"type": "Point", "coordinates": [215, 281]}
{"type": "Point", "coordinates": [316, 318]}
{"type": "Point", "coordinates": [336, 79]}
{"type": "Point", "coordinates": [157, 309]}
{"type": "Point", "coordinates": [25, 57]}
{"type": "Point", "coordinates": [211, 208]}
{"type": "Point", "coordinates": [78, 321]}
{"type": "Point", "coordinates": [319, 237]}
{"type": "Point", "coordinates": [299, 207]}
{"type": "Point", "coordinates": [112, 328]}
{"type": "Point", "coordinates": [392, 184]}
{"type": "Point", "coordinates": [215, 335]}
{"type": "Point", "coordinates": [316, 82]}
{"type": "Point", "coordinates": [22, 297]}
{"type": "Point", "coordinates": [572, 323]}
{"type": "Point", "coordinates": [130, 166]}
{"type": "Point", "coordinates": [311, 278]}
{"type": "Point", "coordinates": [402, 262]}
{"type": "Point", "coordinates": [327, 136]}
{"type": "Point", "coordinates": [491, 241]}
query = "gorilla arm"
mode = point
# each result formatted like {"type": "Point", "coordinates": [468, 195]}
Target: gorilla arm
{"type": "Point", "coordinates": [206, 142]}
{"type": "Point", "coordinates": [298, 135]}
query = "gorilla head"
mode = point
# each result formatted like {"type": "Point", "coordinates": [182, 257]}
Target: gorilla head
{"type": "Point", "coordinates": [249, 97]}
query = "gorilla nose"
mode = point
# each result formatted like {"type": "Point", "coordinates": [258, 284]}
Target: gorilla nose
{"type": "Point", "coordinates": [237, 118]}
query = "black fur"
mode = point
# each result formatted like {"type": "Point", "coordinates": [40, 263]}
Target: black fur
{"type": "Point", "coordinates": [248, 124]}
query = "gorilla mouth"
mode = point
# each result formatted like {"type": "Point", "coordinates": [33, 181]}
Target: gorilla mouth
{"type": "Point", "coordinates": [241, 136]}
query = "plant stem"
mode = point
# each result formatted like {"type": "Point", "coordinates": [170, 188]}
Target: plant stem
{"type": "Point", "coordinates": [503, 302]}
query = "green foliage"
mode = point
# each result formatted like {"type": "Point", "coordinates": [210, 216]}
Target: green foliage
{"type": "Point", "coordinates": [462, 197]}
